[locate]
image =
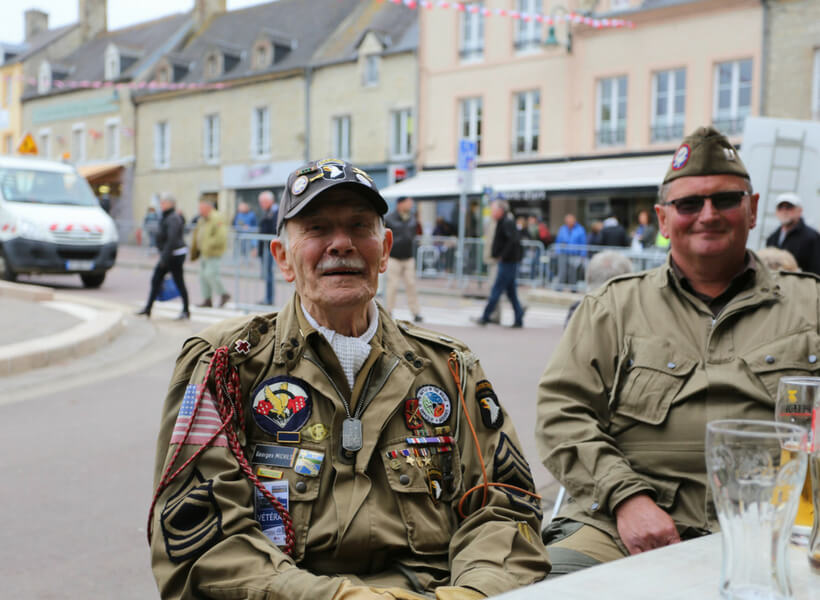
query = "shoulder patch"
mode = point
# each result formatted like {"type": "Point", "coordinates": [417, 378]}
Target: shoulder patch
{"type": "Point", "coordinates": [281, 404]}
{"type": "Point", "coordinates": [191, 520]}
{"type": "Point", "coordinates": [805, 274]}
{"type": "Point", "coordinates": [510, 466]}
{"type": "Point", "coordinates": [491, 413]}
{"type": "Point", "coordinates": [420, 333]}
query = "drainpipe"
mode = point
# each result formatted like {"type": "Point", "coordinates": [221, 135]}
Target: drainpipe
{"type": "Point", "coordinates": [308, 82]}
{"type": "Point", "coordinates": [764, 56]}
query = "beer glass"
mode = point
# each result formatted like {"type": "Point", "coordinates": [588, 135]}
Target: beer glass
{"type": "Point", "coordinates": [798, 400]}
{"type": "Point", "coordinates": [755, 471]}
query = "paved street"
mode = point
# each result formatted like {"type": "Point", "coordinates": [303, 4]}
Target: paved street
{"type": "Point", "coordinates": [77, 439]}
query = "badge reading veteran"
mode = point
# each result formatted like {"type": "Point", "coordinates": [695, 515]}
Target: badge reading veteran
{"type": "Point", "coordinates": [434, 404]}
{"type": "Point", "coordinates": [281, 404]}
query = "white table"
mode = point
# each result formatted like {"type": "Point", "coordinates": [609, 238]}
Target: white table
{"type": "Point", "coordinates": [689, 570]}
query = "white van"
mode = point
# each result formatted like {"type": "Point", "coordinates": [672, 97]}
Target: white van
{"type": "Point", "coordinates": [51, 222]}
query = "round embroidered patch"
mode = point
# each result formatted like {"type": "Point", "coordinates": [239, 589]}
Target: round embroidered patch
{"type": "Point", "coordinates": [299, 184]}
{"type": "Point", "coordinates": [281, 404]}
{"type": "Point", "coordinates": [681, 157]}
{"type": "Point", "coordinates": [434, 404]}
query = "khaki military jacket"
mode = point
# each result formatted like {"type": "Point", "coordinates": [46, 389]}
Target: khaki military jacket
{"type": "Point", "coordinates": [388, 516]}
{"type": "Point", "coordinates": [210, 237]}
{"type": "Point", "coordinates": [640, 370]}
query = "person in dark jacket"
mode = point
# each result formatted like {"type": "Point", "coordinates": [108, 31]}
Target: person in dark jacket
{"type": "Point", "coordinates": [172, 251]}
{"type": "Point", "coordinates": [402, 265]}
{"type": "Point", "coordinates": [267, 226]}
{"type": "Point", "coordinates": [794, 235]}
{"type": "Point", "coordinates": [613, 233]}
{"type": "Point", "coordinates": [507, 249]}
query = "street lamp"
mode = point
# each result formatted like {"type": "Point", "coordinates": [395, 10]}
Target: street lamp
{"type": "Point", "coordinates": [552, 39]}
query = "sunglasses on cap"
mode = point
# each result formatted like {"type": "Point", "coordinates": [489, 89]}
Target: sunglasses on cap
{"type": "Point", "coordinates": [692, 205]}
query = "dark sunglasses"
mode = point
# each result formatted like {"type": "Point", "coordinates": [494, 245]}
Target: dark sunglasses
{"type": "Point", "coordinates": [692, 205]}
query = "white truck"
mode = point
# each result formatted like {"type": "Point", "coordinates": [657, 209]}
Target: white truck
{"type": "Point", "coordinates": [782, 155]}
{"type": "Point", "coordinates": [51, 222]}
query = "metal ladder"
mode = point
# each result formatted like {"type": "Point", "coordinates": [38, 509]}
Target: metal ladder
{"type": "Point", "coordinates": [784, 169]}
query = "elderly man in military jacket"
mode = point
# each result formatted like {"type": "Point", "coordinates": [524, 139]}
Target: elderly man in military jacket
{"type": "Point", "coordinates": [650, 358]}
{"type": "Point", "coordinates": [329, 452]}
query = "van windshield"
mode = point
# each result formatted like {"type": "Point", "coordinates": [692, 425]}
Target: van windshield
{"type": "Point", "coordinates": [45, 187]}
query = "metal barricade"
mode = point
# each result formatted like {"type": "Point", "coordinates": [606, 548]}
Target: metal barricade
{"type": "Point", "coordinates": [564, 266]}
{"type": "Point", "coordinates": [246, 259]}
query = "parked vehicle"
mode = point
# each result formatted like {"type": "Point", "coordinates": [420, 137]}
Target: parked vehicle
{"type": "Point", "coordinates": [51, 222]}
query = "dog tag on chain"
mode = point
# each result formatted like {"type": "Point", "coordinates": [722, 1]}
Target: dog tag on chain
{"type": "Point", "coordinates": [352, 435]}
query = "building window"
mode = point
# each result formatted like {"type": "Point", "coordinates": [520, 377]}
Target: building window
{"type": "Point", "coordinates": [162, 145]}
{"type": "Point", "coordinates": [44, 143]}
{"type": "Point", "coordinates": [211, 138]}
{"type": "Point", "coordinates": [470, 122]}
{"type": "Point", "coordinates": [610, 126]}
{"type": "Point", "coordinates": [371, 69]}
{"type": "Point", "coordinates": [164, 74]}
{"type": "Point", "coordinates": [669, 105]}
{"type": "Point", "coordinates": [260, 132]}
{"type": "Point", "coordinates": [78, 143]}
{"type": "Point", "coordinates": [112, 62]}
{"type": "Point", "coordinates": [815, 94]}
{"type": "Point", "coordinates": [262, 53]}
{"type": "Point", "coordinates": [527, 122]}
{"type": "Point", "coordinates": [112, 139]}
{"type": "Point", "coordinates": [401, 134]}
{"type": "Point", "coordinates": [340, 132]}
{"type": "Point", "coordinates": [733, 95]}
{"type": "Point", "coordinates": [212, 65]}
{"type": "Point", "coordinates": [471, 32]}
{"type": "Point", "coordinates": [528, 29]}
{"type": "Point", "coordinates": [8, 91]}
{"type": "Point", "coordinates": [44, 78]}
{"type": "Point", "coordinates": [8, 144]}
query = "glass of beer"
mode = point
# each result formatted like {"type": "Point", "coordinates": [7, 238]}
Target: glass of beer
{"type": "Point", "coordinates": [798, 403]}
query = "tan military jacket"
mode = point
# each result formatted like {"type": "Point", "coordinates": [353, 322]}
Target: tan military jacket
{"type": "Point", "coordinates": [382, 519]}
{"type": "Point", "coordinates": [210, 237]}
{"type": "Point", "coordinates": [640, 370]}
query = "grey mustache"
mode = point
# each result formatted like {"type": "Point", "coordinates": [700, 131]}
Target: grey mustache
{"type": "Point", "coordinates": [332, 264]}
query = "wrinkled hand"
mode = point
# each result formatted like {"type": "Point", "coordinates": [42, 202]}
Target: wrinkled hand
{"type": "Point", "coordinates": [643, 525]}
{"type": "Point", "coordinates": [348, 591]}
{"type": "Point", "coordinates": [457, 593]}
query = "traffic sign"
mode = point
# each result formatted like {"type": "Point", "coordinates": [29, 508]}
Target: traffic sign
{"type": "Point", "coordinates": [27, 146]}
{"type": "Point", "coordinates": [466, 155]}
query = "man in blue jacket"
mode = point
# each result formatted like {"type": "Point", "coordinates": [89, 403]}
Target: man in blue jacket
{"type": "Point", "coordinates": [569, 259]}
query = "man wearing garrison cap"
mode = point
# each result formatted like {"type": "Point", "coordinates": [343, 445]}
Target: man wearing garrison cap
{"type": "Point", "coordinates": [650, 357]}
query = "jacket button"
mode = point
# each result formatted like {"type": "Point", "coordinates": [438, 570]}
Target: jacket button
{"type": "Point", "coordinates": [300, 486]}
{"type": "Point", "coordinates": [630, 362]}
{"type": "Point", "coordinates": [769, 359]}
{"type": "Point", "coordinates": [418, 364]}
{"type": "Point", "coordinates": [263, 328]}
{"type": "Point", "coordinates": [812, 358]}
{"type": "Point", "coordinates": [408, 356]}
{"type": "Point", "coordinates": [404, 479]}
{"type": "Point", "coordinates": [671, 365]}
{"type": "Point", "coordinates": [289, 354]}
{"type": "Point", "coordinates": [594, 506]}
{"type": "Point", "coordinates": [294, 342]}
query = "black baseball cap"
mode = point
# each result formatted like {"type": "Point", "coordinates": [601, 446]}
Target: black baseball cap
{"type": "Point", "coordinates": [308, 182]}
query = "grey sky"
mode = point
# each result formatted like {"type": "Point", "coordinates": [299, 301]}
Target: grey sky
{"type": "Point", "coordinates": [121, 13]}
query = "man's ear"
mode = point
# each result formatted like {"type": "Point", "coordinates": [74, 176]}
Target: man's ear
{"type": "Point", "coordinates": [660, 211]}
{"type": "Point", "coordinates": [283, 260]}
{"type": "Point", "coordinates": [753, 210]}
{"type": "Point", "coordinates": [387, 244]}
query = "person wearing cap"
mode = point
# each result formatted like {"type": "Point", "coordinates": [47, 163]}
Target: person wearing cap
{"type": "Point", "coordinates": [353, 462]}
{"type": "Point", "coordinates": [649, 358]}
{"type": "Point", "coordinates": [794, 235]}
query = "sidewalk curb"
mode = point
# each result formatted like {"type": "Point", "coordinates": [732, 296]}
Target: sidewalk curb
{"type": "Point", "coordinates": [85, 338]}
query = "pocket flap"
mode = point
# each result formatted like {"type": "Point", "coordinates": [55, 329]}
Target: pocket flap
{"type": "Point", "coordinates": [798, 351]}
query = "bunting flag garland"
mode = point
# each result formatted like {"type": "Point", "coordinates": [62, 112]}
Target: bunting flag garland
{"type": "Point", "coordinates": [139, 85]}
{"type": "Point", "coordinates": [570, 17]}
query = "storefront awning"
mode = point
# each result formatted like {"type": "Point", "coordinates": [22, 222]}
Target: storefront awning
{"type": "Point", "coordinates": [606, 174]}
{"type": "Point", "coordinates": [101, 172]}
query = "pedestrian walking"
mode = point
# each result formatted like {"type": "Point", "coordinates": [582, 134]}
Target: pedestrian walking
{"type": "Point", "coordinates": [267, 226]}
{"type": "Point", "coordinates": [402, 264]}
{"type": "Point", "coordinates": [507, 249]}
{"type": "Point", "coordinates": [172, 250]}
{"type": "Point", "coordinates": [210, 239]}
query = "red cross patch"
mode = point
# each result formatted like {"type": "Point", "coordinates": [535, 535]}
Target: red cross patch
{"type": "Point", "coordinates": [242, 346]}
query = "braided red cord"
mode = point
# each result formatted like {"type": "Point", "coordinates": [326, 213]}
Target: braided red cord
{"type": "Point", "coordinates": [229, 405]}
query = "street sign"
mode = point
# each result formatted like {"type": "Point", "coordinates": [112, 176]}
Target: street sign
{"type": "Point", "coordinates": [27, 146]}
{"type": "Point", "coordinates": [466, 155]}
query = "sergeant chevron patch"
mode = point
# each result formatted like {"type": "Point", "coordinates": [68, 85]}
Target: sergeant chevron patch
{"type": "Point", "coordinates": [191, 520]}
{"type": "Point", "coordinates": [510, 467]}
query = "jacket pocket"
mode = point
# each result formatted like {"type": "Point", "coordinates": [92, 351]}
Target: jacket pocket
{"type": "Point", "coordinates": [428, 516]}
{"type": "Point", "coordinates": [653, 375]}
{"type": "Point", "coordinates": [794, 355]}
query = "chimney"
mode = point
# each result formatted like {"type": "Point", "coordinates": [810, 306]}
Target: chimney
{"type": "Point", "coordinates": [36, 22]}
{"type": "Point", "coordinates": [93, 18]}
{"type": "Point", "coordinates": [204, 10]}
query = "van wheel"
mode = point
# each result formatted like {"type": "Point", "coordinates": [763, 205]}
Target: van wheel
{"type": "Point", "coordinates": [6, 272]}
{"type": "Point", "coordinates": [92, 280]}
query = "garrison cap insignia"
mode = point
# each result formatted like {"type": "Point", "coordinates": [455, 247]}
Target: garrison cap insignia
{"type": "Point", "coordinates": [491, 414]}
{"type": "Point", "coordinates": [191, 520]}
{"type": "Point", "coordinates": [510, 466]}
{"type": "Point", "coordinates": [332, 168]}
{"type": "Point", "coordinates": [434, 404]}
{"type": "Point", "coordinates": [281, 404]}
{"type": "Point", "coordinates": [681, 157]}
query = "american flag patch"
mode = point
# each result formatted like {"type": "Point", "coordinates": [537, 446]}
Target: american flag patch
{"type": "Point", "coordinates": [206, 423]}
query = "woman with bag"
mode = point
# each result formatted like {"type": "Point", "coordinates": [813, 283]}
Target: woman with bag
{"type": "Point", "coordinates": [172, 250]}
